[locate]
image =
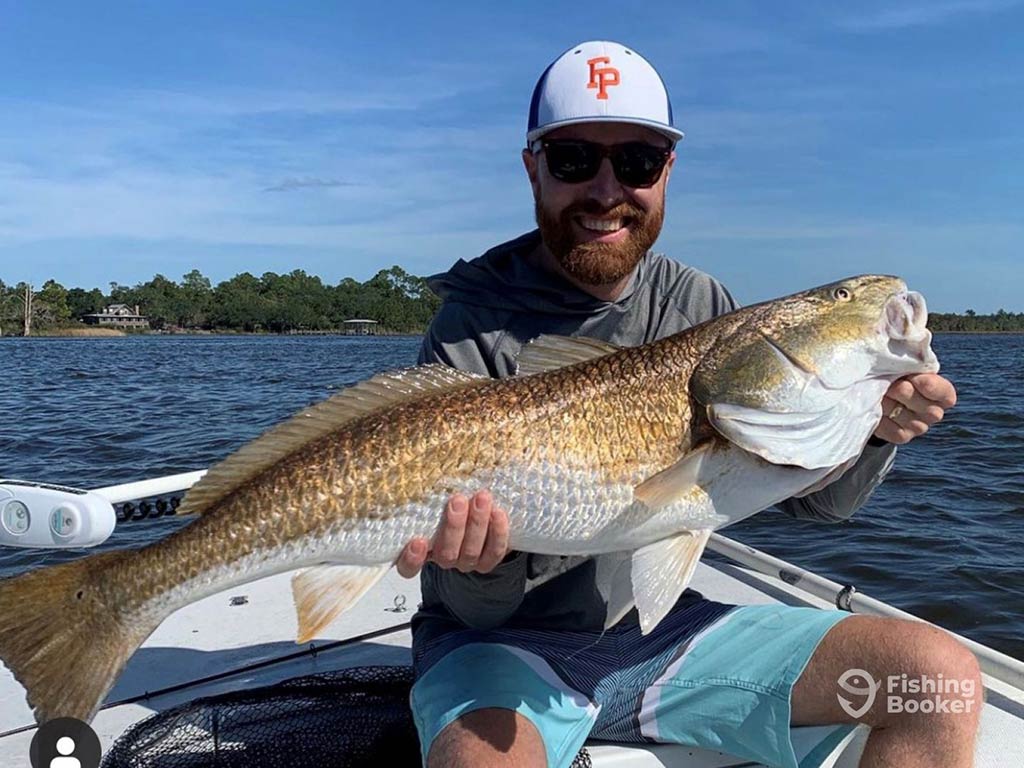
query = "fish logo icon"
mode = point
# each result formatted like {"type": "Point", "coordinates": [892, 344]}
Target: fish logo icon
{"type": "Point", "coordinates": [850, 681]}
{"type": "Point", "coordinates": [602, 77]}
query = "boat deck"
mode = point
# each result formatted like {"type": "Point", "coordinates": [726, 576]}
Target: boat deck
{"type": "Point", "coordinates": [224, 643]}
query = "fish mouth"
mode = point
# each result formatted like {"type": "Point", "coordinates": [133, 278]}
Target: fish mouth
{"type": "Point", "coordinates": [904, 322]}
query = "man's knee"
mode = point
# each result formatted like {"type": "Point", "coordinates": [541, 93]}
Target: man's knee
{"type": "Point", "coordinates": [908, 662]}
{"type": "Point", "coordinates": [933, 674]}
{"type": "Point", "coordinates": [492, 737]}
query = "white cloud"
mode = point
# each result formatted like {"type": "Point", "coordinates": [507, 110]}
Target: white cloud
{"type": "Point", "coordinates": [192, 167]}
{"type": "Point", "coordinates": [924, 14]}
{"type": "Point", "coordinates": [307, 182]}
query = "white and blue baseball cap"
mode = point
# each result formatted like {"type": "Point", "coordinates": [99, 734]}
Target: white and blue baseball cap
{"type": "Point", "coordinates": [600, 81]}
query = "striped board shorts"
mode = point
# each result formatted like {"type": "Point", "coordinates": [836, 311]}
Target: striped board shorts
{"type": "Point", "coordinates": [710, 675]}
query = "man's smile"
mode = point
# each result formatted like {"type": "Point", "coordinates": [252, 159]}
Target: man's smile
{"type": "Point", "coordinates": [602, 230]}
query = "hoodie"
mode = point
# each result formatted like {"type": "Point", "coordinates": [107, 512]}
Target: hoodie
{"type": "Point", "coordinates": [493, 305]}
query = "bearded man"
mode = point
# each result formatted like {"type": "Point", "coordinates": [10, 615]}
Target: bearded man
{"type": "Point", "coordinates": [514, 667]}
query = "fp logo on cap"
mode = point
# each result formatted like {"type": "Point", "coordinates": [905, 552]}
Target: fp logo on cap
{"type": "Point", "coordinates": [601, 78]}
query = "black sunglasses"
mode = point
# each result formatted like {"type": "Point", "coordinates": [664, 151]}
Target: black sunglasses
{"type": "Point", "coordinates": [636, 163]}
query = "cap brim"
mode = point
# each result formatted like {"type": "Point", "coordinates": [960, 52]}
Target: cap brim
{"type": "Point", "coordinates": [668, 131]}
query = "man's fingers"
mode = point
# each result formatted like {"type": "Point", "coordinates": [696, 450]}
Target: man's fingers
{"type": "Point", "coordinates": [889, 431]}
{"type": "Point", "coordinates": [899, 425]}
{"type": "Point", "coordinates": [918, 406]}
{"type": "Point", "coordinates": [477, 521]}
{"type": "Point", "coordinates": [412, 558]}
{"type": "Point", "coordinates": [894, 433]}
{"type": "Point", "coordinates": [496, 546]}
{"type": "Point", "coordinates": [473, 536]}
{"type": "Point", "coordinates": [448, 541]}
{"type": "Point", "coordinates": [930, 387]}
{"type": "Point", "coordinates": [935, 388]}
{"type": "Point", "coordinates": [914, 421]}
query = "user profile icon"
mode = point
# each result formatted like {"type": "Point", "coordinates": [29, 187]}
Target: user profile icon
{"type": "Point", "coordinates": [65, 742]}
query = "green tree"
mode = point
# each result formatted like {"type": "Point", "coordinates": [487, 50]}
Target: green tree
{"type": "Point", "coordinates": [160, 300]}
{"type": "Point", "coordinates": [344, 301]}
{"type": "Point", "coordinates": [194, 300]}
{"type": "Point", "coordinates": [397, 300]}
{"type": "Point", "coordinates": [238, 304]}
{"type": "Point", "coordinates": [10, 310]}
{"type": "Point", "coordinates": [295, 301]}
{"type": "Point", "coordinates": [82, 302]}
{"type": "Point", "coordinates": [50, 305]}
{"type": "Point", "coordinates": [120, 294]}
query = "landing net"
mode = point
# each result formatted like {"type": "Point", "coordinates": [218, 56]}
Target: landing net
{"type": "Point", "coordinates": [350, 718]}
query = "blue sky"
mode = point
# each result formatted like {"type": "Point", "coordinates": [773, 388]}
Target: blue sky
{"type": "Point", "coordinates": [822, 139]}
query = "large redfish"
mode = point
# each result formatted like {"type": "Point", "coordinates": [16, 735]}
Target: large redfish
{"type": "Point", "coordinates": [634, 455]}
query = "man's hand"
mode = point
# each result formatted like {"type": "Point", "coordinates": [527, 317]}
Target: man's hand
{"type": "Point", "coordinates": [912, 405]}
{"type": "Point", "coordinates": [472, 537]}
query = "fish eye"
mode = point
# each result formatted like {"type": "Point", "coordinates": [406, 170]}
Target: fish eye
{"type": "Point", "coordinates": [842, 294]}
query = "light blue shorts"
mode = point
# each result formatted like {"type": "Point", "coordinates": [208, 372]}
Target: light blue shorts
{"type": "Point", "coordinates": [710, 675]}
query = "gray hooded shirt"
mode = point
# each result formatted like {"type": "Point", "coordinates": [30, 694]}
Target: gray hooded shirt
{"type": "Point", "coordinates": [492, 306]}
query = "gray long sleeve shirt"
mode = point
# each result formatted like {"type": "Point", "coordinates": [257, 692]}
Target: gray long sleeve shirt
{"type": "Point", "coordinates": [492, 306]}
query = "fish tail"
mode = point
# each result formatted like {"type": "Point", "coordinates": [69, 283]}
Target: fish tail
{"type": "Point", "coordinates": [61, 641]}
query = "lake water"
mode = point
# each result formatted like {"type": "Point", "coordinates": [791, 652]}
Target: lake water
{"type": "Point", "coordinates": [942, 538]}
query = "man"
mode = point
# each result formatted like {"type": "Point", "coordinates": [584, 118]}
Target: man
{"type": "Point", "coordinates": [513, 668]}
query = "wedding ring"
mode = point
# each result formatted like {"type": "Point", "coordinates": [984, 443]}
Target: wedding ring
{"type": "Point", "coordinates": [895, 412]}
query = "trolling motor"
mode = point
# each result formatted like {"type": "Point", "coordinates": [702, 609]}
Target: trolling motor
{"type": "Point", "coordinates": [45, 516]}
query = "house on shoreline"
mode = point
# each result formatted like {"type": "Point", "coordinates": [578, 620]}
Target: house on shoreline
{"type": "Point", "coordinates": [361, 327]}
{"type": "Point", "coordinates": [118, 316]}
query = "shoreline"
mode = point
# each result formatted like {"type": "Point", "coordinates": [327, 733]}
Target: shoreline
{"type": "Point", "coordinates": [114, 333]}
{"type": "Point", "coordinates": [77, 334]}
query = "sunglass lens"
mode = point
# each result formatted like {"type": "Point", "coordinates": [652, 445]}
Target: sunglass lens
{"type": "Point", "coordinates": [639, 165]}
{"type": "Point", "coordinates": [572, 161]}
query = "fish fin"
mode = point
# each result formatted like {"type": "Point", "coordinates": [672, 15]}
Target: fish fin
{"type": "Point", "coordinates": [612, 580]}
{"type": "Point", "coordinates": [674, 481]}
{"type": "Point", "coordinates": [382, 391]}
{"type": "Point", "coordinates": [661, 571]}
{"type": "Point", "coordinates": [549, 351]}
{"type": "Point", "coordinates": [61, 641]}
{"type": "Point", "coordinates": [321, 593]}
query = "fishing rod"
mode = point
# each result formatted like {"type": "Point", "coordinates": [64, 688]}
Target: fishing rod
{"type": "Point", "coordinates": [846, 598]}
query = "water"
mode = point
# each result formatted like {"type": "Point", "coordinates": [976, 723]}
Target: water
{"type": "Point", "coordinates": [942, 538]}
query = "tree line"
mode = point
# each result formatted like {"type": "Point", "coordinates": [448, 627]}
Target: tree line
{"type": "Point", "coordinates": [971, 322]}
{"type": "Point", "coordinates": [400, 302]}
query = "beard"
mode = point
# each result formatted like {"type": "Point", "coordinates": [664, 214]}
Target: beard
{"type": "Point", "coordinates": [594, 263]}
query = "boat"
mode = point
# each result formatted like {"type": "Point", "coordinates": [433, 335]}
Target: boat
{"type": "Point", "coordinates": [242, 640]}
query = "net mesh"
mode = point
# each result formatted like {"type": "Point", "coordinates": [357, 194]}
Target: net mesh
{"type": "Point", "coordinates": [342, 719]}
